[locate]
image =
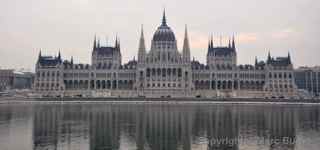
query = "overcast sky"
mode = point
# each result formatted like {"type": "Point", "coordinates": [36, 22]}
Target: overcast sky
{"type": "Point", "coordinates": [278, 26]}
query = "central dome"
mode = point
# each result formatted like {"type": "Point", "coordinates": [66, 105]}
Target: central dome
{"type": "Point", "coordinates": [164, 32]}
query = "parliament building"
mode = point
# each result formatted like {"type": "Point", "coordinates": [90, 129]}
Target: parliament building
{"type": "Point", "coordinates": [164, 71]}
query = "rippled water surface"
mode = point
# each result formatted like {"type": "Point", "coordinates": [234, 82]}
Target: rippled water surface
{"type": "Point", "coordinates": [106, 126]}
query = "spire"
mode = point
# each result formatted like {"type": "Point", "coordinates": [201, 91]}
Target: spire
{"type": "Point", "coordinates": [209, 45]}
{"type": "Point", "coordinates": [59, 55]}
{"type": "Point", "coordinates": [233, 43]}
{"type": "Point", "coordinates": [142, 43]}
{"type": "Point", "coordinates": [116, 42]}
{"type": "Point", "coordinates": [229, 44]}
{"type": "Point", "coordinates": [142, 34]}
{"type": "Point", "coordinates": [289, 58]}
{"type": "Point", "coordinates": [164, 19]}
{"type": "Point", "coordinates": [71, 59]}
{"type": "Point", "coordinates": [39, 57]}
{"type": "Point", "coordinates": [142, 47]}
{"type": "Point", "coordinates": [269, 57]}
{"type": "Point", "coordinates": [186, 39]}
{"type": "Point", "coordinates": [256, 61]}
{"type": "Point", "coordinates": [186, 46]}
{"type": "Point", "coordinates": [211, 41]}
{"type": "Point", "coordinates": [40, 54]}
{"type": "Point", "coordinates": [95, 42]}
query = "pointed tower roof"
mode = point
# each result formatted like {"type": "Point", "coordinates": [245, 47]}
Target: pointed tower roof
{"type": "Point", "coordinates": [98, 43]}
{"type": "Point", "coordinates": [71, 59]}
{"type": "Point", "coordinates": [142, 46]}
{"type": "Point", "coordinates": [233, 43]}
{"type": "Point", "coordinates": [116, 42]}
{"type": "Point", "coordinates": [256, 61]}
{"type": "Point", "coordinates": [209, 46]}
{"type": "Point", "coordinates": [39, 57]}
{"type": "Point", "coordinates": [211, 41]}
{"type": "Point", "coordinates": [142, 33]}
{"type": "Point", "coordinates": [164, 19]}
{"type": "Point", "coordinates": [289, 58]}
{"type": "Point", "coordinates": [269, 57]}
{"type": "Point", "coordinates": [59, 55]}
{"type": "Point", "coordinates": [186, 45]}
{"type": "Point", "coordinates": [40, 53]}
{"type": "Point", "coordinates": [95, 42]}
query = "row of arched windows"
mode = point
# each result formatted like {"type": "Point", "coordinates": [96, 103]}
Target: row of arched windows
{"type": "Point", "coordinates": [164, 72]}
{"type": "Point", "coordinates": [280, 75]}
{"type": "Point", "coordinates": [99, 84]}
{"type": "Point", "coordinates": [228, 85]}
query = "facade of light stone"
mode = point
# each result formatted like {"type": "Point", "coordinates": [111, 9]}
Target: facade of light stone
{"type": "Point", "coordinates": [164, 71]}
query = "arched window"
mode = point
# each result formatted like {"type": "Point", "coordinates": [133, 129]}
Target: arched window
{"type": "Point", "coordinates": [179, 72]}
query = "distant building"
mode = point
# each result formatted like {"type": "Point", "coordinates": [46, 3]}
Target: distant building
{"type": "Point", "coordinates": [6, 79]}
{"type": "Point", "coordinates": [22, 80]}
{"type": "Point", "coordinates": [164, 71]}
{"type": "Point", "coordinates": [10, 79]}
{"type": "Point", "coordinates": [308, 78]}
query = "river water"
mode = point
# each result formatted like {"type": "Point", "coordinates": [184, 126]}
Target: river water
{"type": "Point", "coordinates": [107, 126]}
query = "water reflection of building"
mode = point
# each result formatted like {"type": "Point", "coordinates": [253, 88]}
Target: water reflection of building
{"type": "Point", "coordinates": [163, 127]}
{"type": "Point", "coordinates": [168, 127]}
{"type": "Point", "coordinates": [60, 127]}
{"type": "Point", "coordinates": [45, 133]}
{"type": "Point", "coordinates": [282, 124]}
{"type": "Point", "coordinates": [15, 127]}
{"type": "Point", "coordinates": [104, 126]}
{"type": "Point", "coordinates": [223, 128]}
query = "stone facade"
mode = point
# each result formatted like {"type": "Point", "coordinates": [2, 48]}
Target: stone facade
{"type": "Point", "coordinates": [164, 71]}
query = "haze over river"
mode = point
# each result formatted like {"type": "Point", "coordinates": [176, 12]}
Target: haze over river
{"type": "Point", "coordinates": [110, 126]}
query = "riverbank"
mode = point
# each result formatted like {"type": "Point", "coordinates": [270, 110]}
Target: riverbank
{"type": "Point", "coordinates": [160, 100]}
